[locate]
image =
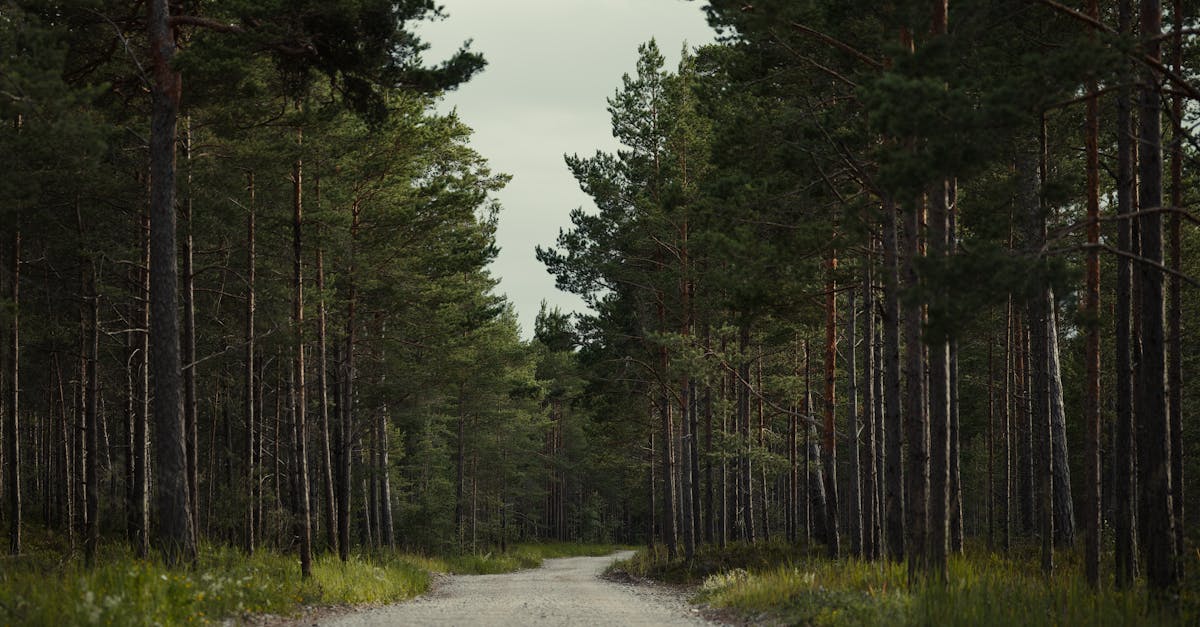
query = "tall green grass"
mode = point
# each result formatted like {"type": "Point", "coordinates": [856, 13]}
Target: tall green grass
{"type": "Point", "coordinates": [44, 589]}
{"type": "Point", "coordinates": [783, 584]}
{"type": "Point", "coordinates": [48, 585]}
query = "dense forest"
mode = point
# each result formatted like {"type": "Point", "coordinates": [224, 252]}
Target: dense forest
{"type": "Point", "coordinates": [890, 276]}
{"type": "Point", "coordinates": [891, 281]}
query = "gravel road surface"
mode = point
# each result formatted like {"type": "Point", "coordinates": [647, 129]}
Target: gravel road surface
{"type": "Point", "coordinates": [567, 591]}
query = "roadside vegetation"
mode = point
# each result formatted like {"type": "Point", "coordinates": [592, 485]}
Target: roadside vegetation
{"type": "Point", "coordinates": [775, 583]}
{"type": "Point", "coordinates": [45, 586]}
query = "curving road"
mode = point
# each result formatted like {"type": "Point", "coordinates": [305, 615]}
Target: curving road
{"type": "Point", "coordinates": [567, 591]}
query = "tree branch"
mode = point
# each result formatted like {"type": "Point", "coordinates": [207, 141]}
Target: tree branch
{"type": "Point", "coordinates": [175, 21]}
{"type": "Point", "coordinates": [840, 45]}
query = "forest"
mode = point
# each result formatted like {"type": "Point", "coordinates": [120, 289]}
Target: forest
{"type": "Point", "coordinates": [887, 315]}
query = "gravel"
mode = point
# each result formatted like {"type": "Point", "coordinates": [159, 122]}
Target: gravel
{"type": "Point", "coordinates": [567, 591]}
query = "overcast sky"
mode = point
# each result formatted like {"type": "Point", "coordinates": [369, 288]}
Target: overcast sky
{"type": "Point", "coordinates": [551, 65]}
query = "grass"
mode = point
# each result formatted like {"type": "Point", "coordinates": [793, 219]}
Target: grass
{"type": "Point", "coordinates": [122, 590]}
{"type": "Point", "coordinates": [775, 583]}
{"type": "Point", "coordinates": [50, 586]}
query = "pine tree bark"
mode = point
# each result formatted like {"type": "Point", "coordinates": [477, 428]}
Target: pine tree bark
{"type": "Point", "coordinates": [668, 462]}
{"type": "Point", "coordinates": [956, 500]}
{"type": "Point", "coordinates": [894, 480]}
{"type": "Point", "coordinates": [92, 426]}
{"type": "Point", "coordinates": [916, 419]}
{"type": "Point", "coordinates": [870, 487]}
{"type": "Point", "coordinates": [764, 500]}
{"type": "Point", "coordinates": [855, 428]}
{"type": "Point", "coordinates": [1040, 312]}
{"type": "Point", "coordinates": [1153, 424]}
{"type": "Point", "coordinates": [685, 473]}
{"type": "Point", "coordinates": [1175, 364]}
{"type": "Point", "coordinates": [939, 398]}
{"type": "Point", "coordinates": [746, 475]}
{"type": "Point", "coordinates": [1091, 406]}
{"type": "Point", "coordinates": [188, 340]}
{"type": "Point", "coordinates": [248, 408]}
{"type": "Point", "coordinates": [329, 499]}
{"type": "Point", "coordinates": [1064, 509]}
{"type": "Point", "coordinates": [829, 436]}
{"type": "Point", "coordinates": [991, 445]}
{"type": "Point", "coordinates": [815, 520]}
{"type": "Point", "coordinates": [345, 435]}
{"type": "Point", "coordinates": [1009, 497]}
{"type": "Point", "coordinates": [709, 497]}
{"type": "Point", "coordinates": [141, 456]}
{"type": "Point", "coordinates": [299, 416]}
{"type": "Point", "coordinates": [652, 487]}
{"type": "Point", "coordinates": [793, 483]}
{"type": "Point", "coordinates": [387, 529]}
{"type": "Point", "coordinates": [175, 537]}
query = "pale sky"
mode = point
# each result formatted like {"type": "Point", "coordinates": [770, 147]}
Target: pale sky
{"type": "Point", "coordinates": [551, 66]}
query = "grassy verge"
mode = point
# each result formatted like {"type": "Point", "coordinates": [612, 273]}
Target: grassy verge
{"type": "Point", "coordinates": [48, 585]}
{"type": "Point", "coordinates": [777, 583]}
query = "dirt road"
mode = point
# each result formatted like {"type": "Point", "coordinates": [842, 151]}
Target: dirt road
{"type": "Point", "coordinates": [566, 591]}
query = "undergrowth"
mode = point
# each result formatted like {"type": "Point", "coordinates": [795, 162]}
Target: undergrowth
{"type": "Point", "coordinates": [49, 585]}
{"type": "Point", "coordinates": [774, 582]}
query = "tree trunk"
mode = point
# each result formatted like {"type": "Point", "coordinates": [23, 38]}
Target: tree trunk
{"type": "Point", "coordinates": [709, 502]}
{"type": "Point", "coordinates": [746, 478]}
{"type": "Point", "coordinates": [92, 538]}
{"type": "Point", "coordinates": [1064, 509]}
{"type": "Point", "coordinates": [815, 519]}
{"type": "Point", "coordinates": [188, 340]}
{"type": "Point", "coordinates": [685, 472]}
{"type": "Point", "coordinates": [1175, 365]}
{"type": "Point", "coordinates": [652, 491]}
{"type": "Point", "coordinates": [252, 435]}
{"type": "Point", "coordinates": [791, 520]}
{"type": "Point", "coordinates": [1023, 400]}
{"type": "Point", "coordinates": [939, 397]}
{"type": "Point", "coordinates": [460, 476]}
{"type": "Point", "coordinates": [141, 458]}
{"type": "Point", "coordinates": [956, 500]}
{"type": "Point", "coordinates": [894, 480]}
{"type": "Point", "coordinates": [299, 417]}
{"type": "Point", "coordinates": [1007, 426]}
{"type": "Point", "coordinates": [991, 445]}
{"type": "Point", "coordinates": [1040, 310]}
{"type": "Point", "coordinates": [175, 537]}
{"type": "Point", "coordinates": [764, 495]}
{"type": "Point", "coordinates": [330, 501]}
{"type": "Point", "coordinates": [870, 487]}
{"type": "Point", "coordinates": [855, 428]}
{"type": "Point", "coordinates": [668, 463]}
{"type": "Point", "coordinates": [916, 422]}
{"type": "Point", "coordinates": [832, 522]}
{"type": "Point", "coordinates": [1091, 315]}
{"type": "Point", "coordinates": [387, 530]}
{"type": "Point", "coordinates": [346, 421]}
{"type": "Point", "coordinates": [1153, 425]}
{"type": "Point", "coordinates": [1123, 467]}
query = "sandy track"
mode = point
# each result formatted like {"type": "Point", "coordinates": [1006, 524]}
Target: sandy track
{"type": "Point", "coordinates": [566, 591]}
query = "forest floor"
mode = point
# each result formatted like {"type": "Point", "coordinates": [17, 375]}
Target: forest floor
{"type": "Point", "coordinates": [564, 591]}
